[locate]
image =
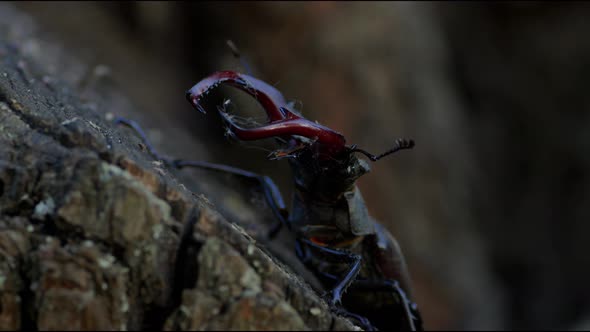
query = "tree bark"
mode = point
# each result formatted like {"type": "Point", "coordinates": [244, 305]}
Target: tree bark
{"type": "Point", "coordinates": [97, 235]}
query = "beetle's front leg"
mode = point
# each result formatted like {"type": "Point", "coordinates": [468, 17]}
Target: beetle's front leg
{"type": "Point", "coordinates": [271, 191]}
{"type": "Point", "coordinates": [142, 135]}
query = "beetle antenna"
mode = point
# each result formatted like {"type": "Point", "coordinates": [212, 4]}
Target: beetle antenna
{"type": "Point", "coordinates": [236, 52]}
{"type": "Point", "coordinates": [400, 144]}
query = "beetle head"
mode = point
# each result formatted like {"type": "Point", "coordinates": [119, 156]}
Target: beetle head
{"type": "Point", "coordinates": [329, 177]}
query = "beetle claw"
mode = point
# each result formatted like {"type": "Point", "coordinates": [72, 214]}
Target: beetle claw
{"type": "Point", "coordinates": [195, 101]}
{"type": "Point", "coordinates": [333, 299]}
{"type": "Point", "coordinates": [283, 120]}
{"type": "Point", "coordinates": [200, 108]}
{"type": "Point", "coordinates": [226, 117]}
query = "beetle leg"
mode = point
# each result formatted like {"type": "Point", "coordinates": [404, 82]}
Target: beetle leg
{"type": "Point", "coordinates": [139, 131]}
{"type": "Point", "coordinates": [336, 256]}
{"type": "Point", "coordinates": [411, 312]}
{"type": "Point", "coordinates": [271, 191]}
{"type": "Point", "coordinates": [413, 317]}
{"type": "Point", "coordinates": [364, 322]}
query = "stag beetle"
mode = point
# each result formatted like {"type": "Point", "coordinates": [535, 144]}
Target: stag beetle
{"type": "Point", "coordinates": [335, 236]}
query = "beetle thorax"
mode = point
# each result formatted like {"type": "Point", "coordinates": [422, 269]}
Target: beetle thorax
{"type": "Point", "coordinates": [326, 193]}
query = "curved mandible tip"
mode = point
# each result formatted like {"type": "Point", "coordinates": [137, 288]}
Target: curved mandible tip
{"type": "Point", "coordinates": [270, 98]}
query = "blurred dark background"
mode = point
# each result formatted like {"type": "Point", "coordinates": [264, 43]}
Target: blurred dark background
{"type": "Point", "coordinates": [491, 207]}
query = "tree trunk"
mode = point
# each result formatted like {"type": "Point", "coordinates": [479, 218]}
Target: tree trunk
{"type": "Point", "coordinates": [95, 234]}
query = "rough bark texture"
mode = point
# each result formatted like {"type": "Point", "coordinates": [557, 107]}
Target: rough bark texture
{"type": "Point", "coordinates": [95, 234]}
{"type": "Point", "coordinates": [491, 207]}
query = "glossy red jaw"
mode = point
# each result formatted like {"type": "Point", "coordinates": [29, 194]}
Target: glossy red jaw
{"type": "Point", "coordinates": [283, 120]}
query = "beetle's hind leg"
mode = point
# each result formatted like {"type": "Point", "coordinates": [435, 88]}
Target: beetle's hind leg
{"type": "Point", "coordinates": [413, 319]}
{"type": "Point", "coordinates": [333, 255]}
{"type": "Point", "coordinates": [304, 250]}
{"type": "Point", "coordinates": [270, 189]}
{"type": "Point", "coordinates": [362, 321]}
{"type": "Point", "coordinates": [412, 314]}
